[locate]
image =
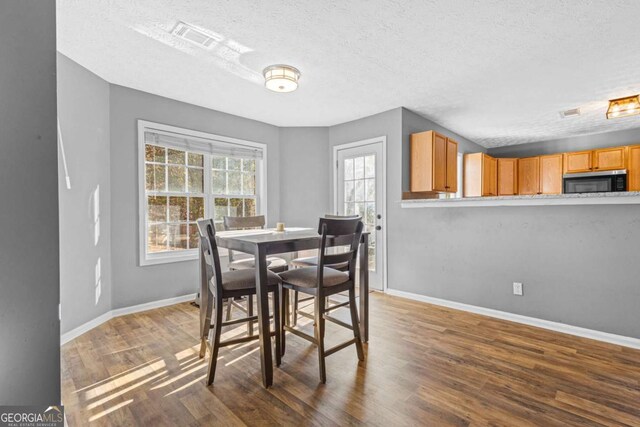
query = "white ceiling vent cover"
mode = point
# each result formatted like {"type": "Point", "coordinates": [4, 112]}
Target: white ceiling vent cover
{"type": "Point", "coordinates": [570, 113]}
{"type": "Point", "coordinates": [194, 35]}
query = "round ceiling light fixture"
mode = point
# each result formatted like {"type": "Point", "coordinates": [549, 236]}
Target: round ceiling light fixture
{"type": "Point", "coordinates": [281, 78]}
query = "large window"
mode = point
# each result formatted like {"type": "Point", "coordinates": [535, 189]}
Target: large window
{"type": "Point", "coordinates": [189, 175]}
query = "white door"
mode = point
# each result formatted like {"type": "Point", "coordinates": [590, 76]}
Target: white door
{"type": "Point", "coordinates": [360, 190]}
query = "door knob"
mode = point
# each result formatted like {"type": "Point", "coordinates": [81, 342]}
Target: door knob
{"type": "Point", "coordinates": [379, 216]}
{"type": "Point", "coordinates": [378, 227]}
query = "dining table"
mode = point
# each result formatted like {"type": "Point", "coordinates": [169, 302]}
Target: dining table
{"type": "Point", "coordinates": [264, 242]}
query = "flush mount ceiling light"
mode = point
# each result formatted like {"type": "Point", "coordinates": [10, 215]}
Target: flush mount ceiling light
{"type": "Point", "coordinates": [623, 107]}
{"type": "Point", "coordinates": [281, 78]}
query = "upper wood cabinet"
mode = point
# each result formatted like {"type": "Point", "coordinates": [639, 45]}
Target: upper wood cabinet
{"type": "Point", "coordinates": [507, 177]}
{"type": "Point", "coordinates": [480, 175]}
{"type": "Point", "coordinates": [529, 175]}
{"type": "Point", "coordinates": [633, 176]}
{"type": "Point", "coordinates": [434, 166]}
{"type": "Point", "coordinates": [578, 161]}
{"type": "Point", "coordinates": [551, 174]}
{"type": "Point", "coordinates": [609, 158]}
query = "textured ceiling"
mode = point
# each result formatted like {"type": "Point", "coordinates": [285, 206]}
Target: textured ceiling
{"type": "Point", "coordinates": [496, 72]}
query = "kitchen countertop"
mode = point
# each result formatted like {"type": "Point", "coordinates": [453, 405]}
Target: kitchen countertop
{"type": "Point", "coordinates": [616, 198]}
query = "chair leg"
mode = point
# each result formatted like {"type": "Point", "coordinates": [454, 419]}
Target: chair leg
{"type": "Point", "coordinates": [206, 310]}
{"type": "Point", "coordinates": [319, 332]}
{"type": "Point", "coordinates": [215, 341]}
{"type": "Point", "coordinates": [294, 320]}
{"type": "Point", "coordinates": [277, 324]}
{"type": "Point", "coordinates": [355, 323]}
{"type": "Point", "coordinates": [249, 314]}
{"type": "Point", "coordinates": [228, 309]}
{"type": "Point", "coordinates": [284, 317]}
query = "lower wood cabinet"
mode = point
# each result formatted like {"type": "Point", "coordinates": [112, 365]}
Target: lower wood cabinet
{"type": "Point", "coordinates": [633, 176]}
{"type": "Point", "coordinates": [480, 175]}
{"type": "Point", "coordinates": [507, 177]}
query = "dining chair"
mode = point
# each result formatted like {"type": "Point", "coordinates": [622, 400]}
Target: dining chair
{"type": "Point", "coordinates": [312, 261]}
{"type": "Point", "coordinates": [229, 285]}
{"type": "Point", "coordinates": [320, 282]}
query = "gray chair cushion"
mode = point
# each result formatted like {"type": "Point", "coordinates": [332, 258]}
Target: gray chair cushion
{"type": "Point", "coordinates": [245, 279]}
{"type": "Point", "coordinates": [312, 261]}
{"type": "Point", "coordinates": [307, 277]}
{"type": "Point", "coordinates": [273, 263]}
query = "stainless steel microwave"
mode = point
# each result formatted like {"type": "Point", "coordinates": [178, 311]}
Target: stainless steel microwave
{"type": "Point", "coordinates": [595, 182]}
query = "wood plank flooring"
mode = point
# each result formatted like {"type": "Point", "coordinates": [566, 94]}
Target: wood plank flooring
{"type": "Point", "coordinates": [426, 365]}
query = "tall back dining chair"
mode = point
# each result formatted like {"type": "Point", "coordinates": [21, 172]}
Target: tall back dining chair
{"type": "Point", "coordinates": [274, 264]}
{"type": "Point", "coordinates": [222, 286]}
{"type": "Point", "coordinates": [321, 281]}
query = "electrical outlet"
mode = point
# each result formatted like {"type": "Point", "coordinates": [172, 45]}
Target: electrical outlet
{"type": "Point", "coordinates": [517, 288]}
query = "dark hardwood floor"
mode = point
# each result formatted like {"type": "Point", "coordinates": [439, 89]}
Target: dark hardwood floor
{"type": "Point", "coordinates": [426, 365]}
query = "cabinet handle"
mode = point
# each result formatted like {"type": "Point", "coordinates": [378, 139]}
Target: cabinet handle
{"type": "Point", "coordinates": [596, 167]}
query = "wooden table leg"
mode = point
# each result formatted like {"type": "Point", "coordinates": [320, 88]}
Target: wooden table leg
{"type": "Point", "coordinates": [364, 288]}
{"type": "Point", "coordinates": [262, 296]}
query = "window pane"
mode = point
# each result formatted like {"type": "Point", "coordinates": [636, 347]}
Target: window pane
{"type": "Point", "coordinates": [234, 164]}
{"type": "Point", "coordinates": [248, 184]}
{"type": "Point", "coordinates": [235, 207]}
{"type": "Point", "coordinates": [157, 207]}
{"type": "Point", "coordinates": [359, 209]}
{"type": "Point", "coordinates": [358, 167]}
{"type": "Point", "coordinates": [157, 238]}
{"type": "Point", "coordinates": [235, 183]}
{"type": "Point", "coordinates": [196, 159]}
{"type": "Point", "coordinates": [175, 156]}
{"type": "Point", "coordinates": [349, 209]}
{"type": "Point", "coordinates": [248, 165]}
{"type": "Point", "coordinates": [155, 177]}
{"type": "Point", "coordinates": [177, 237]}
{"type": "Point", "coordinates": [196, 208]}
{"type": "Point", "coordinates": [219, 162]}
{"type": "Point", "coordinates": [249, 207]}
{"type": "Point", "coordinates": [348, 169]}
{"type": "Point", "coordinates": [219, 182]}
{"type": "Point", "coordinates": [359, 197]}
{"type": "Point", "coordinates": [177, 209]}
{"type": "Point", "coordinates": [153, 153]}
{"type": "Point", "coordinates": [194, 236]}
{"type": "Point", "coordinates": [196, 180]}
{"type": "Point", "coordinates": [370, 216]}
{"type": "Point", "coordinates": [220, 208]}
{"type": "Point", "coordinates": [370, 189]}
{"type": "Point", "coordinates": [349, 191]}
{"type": "Point", "coordinates": [370, 166]}
{"type": "Point", "coordinates": [177, 178]}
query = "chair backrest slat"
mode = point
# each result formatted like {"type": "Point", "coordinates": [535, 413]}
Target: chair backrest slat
{"type": "Point", "coordinates": [209, 251]}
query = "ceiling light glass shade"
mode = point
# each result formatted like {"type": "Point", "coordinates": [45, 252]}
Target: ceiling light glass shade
{"type": "Point", "coordinates": [623, 107]}
{"type": "Point", "coordinates": [281, 78]}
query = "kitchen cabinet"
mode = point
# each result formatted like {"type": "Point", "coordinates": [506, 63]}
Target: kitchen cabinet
{"type": "Point", "coordinates": [551, 174]}
{"type": "Point", "coordinates": [529, 175]}
{"type": "Point", "coordinates": [578, 161]}
{"type": "Point", "coordinates": [434, 163]}
{"type": "Point", "coordinates": [480, 175]}
{"type": "Point", "coordinates": [507, 177]}
{"type": "Point", "coordinates": [609, 159]}
{"type": "Point", "coordinates": [633, 175]}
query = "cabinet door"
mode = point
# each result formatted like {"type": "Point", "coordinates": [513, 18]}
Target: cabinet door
{"type": "Point", "coordinates": [529, 175]}
{"type": "Point", "coordinates": [609, 159]}
{"type": "Point", "coordinates": [551, 174]}
{"type": "Point", "coordinates": [421, 161]}
{"type": "Point", "coordinates": [633, 183]}
{"type": "Point", "coordinates": [579, 161]}
{"type": "Point", "coordinates": [507, 177]}
{"type": "Point", "coordinates": [439, 162]}
{"type": "Point", "coordinates": [472, 175]}
{"type": "Point", "coordinates": [489, 176]}
{"type": "Point", "coordinates": [452, 166]}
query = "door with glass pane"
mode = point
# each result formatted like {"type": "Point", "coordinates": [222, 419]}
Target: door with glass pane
{"type": "Point", "coordinates": [360, 191]}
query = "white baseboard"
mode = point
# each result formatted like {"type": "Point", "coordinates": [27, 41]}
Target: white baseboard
{"type": "Point", "coordinates": [531, 321]}
{"type": "Point", "coordinates": [76, 332]}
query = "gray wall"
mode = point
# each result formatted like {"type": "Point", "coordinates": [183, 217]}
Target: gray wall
{"type": "Point", "coordinates": [85, 255]}
{"type": "Point", "coordinates": [576, 143]}
{"type": "Point", "coordinates": [29, 280]}
{"type": "Point", "coordinates": [305, 178]}
{"type": "Point", "coordinates": [133, 284]}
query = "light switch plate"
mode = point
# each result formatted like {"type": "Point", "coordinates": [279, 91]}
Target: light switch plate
{"type": "Point", "coordinates": [517, 289]}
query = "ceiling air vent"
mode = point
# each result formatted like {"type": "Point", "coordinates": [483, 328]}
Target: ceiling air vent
{"type": "Point", "coordinates": [194, 35]}
{"type": "Point", "coordinates": [570, 113]}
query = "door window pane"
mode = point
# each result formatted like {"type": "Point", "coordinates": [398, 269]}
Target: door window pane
{"type": "Point", "coordinates": [348, 169]}
{"type": "Point", "coordinates": [370, 166]}
{"type": "Point", "coordinates": [370, 189]}
{"type": "Point", "coordinates": [359, 195]}
{"type": "Point", "coordinates": [358, 166]}
{"type": "Point", "coordinates": [349, 191]}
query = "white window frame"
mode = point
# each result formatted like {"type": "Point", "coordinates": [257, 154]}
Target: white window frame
{"type": "Point", "coordinates": [146, 258]}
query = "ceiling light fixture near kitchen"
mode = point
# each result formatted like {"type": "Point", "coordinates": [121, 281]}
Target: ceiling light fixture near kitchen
{"type": "Point", "coordinates": [623, 107]}
{"type": "Point", "coordinates": [281, 78]}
